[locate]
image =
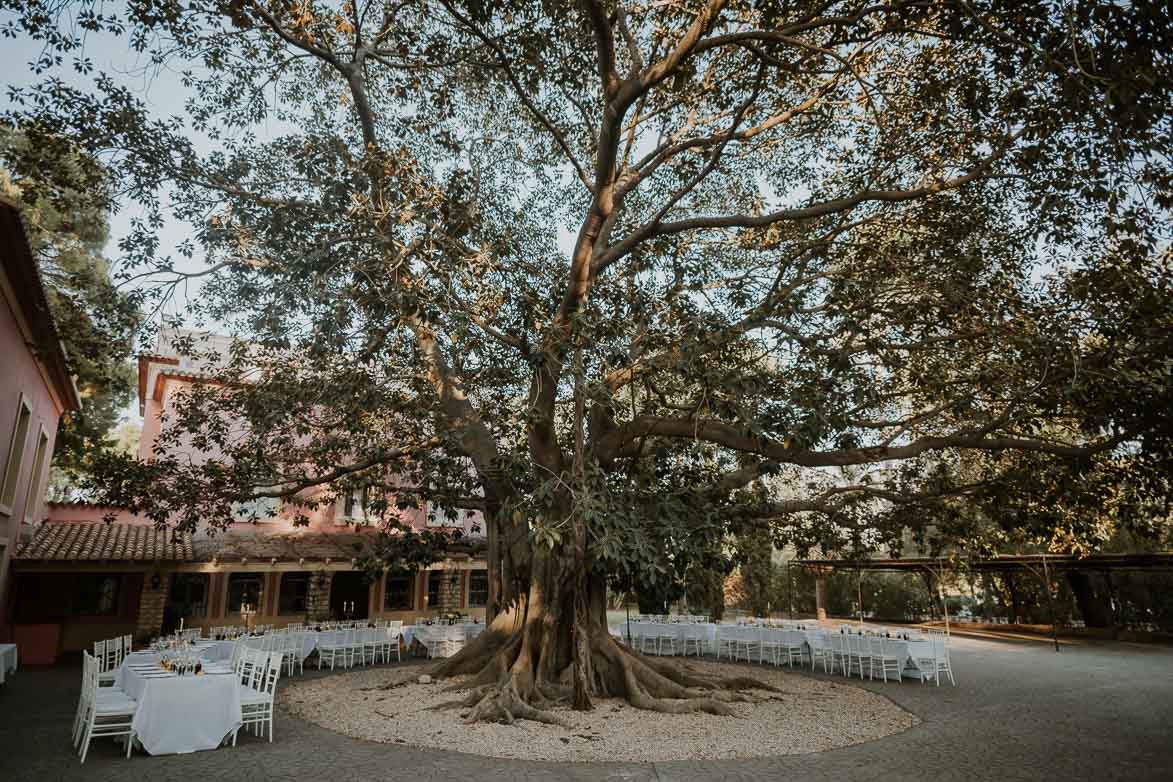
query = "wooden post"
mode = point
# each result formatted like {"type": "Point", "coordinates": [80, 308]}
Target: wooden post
{"type": "Point", "coordinates": [1050, 602]}
{"type": "Point", "coordinates": [789, 594]}
{"type": "Point", "coordinates": [859, 591]}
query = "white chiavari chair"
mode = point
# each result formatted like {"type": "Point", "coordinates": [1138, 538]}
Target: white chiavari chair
{"type": "Point", "coordinates": [336, 649]}
{"type": "Point", "coordinates": [933, 667]}
{"type": "Point", "coordinates": [839, 652]}
{"type": "Point", "coordinates": [108, 714]}
{"type": "Point", "coordinates": [694, 637]}
{"type": "Point", "coordinates": [666, 639]}
{"type": "Point", "coordinates": [890, 661]}
{"type": "Point", "coordinates": [858, 654]}
{"type": "Point", "coordinates": [256, 700]}
{"type": "Point", "coordinates": [748, 643]}
{"type": "Point", "coordinates": [820, 650]}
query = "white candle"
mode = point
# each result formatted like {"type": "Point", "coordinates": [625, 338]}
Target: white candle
{"type": "Point", "coordinates": [181, 624]}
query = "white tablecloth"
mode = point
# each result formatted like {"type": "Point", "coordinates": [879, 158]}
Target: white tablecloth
{"type": "Point", "coordinates": [918, 648]}
{"type": "Point", "coordinates": [8, 660]}
{"type": "Point", "coordinates": [179, 714]}
{"type": "Point", "coordinates": [425, 633]}
{"type": "Point", "coordinates": [222, 650]}
{"type": "Point", "coordinates": [682, 630]}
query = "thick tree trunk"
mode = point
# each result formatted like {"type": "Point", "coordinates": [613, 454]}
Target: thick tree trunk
{"type": "Point", "coordinates": [1012, 587]}
{"type": "Point", "coordinates": [524, 662]}
{"type": "Point", "coordinates": [1093, 607]}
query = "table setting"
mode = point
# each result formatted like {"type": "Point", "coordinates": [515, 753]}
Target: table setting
{"type": "Point", "coordinates": [186, 703]}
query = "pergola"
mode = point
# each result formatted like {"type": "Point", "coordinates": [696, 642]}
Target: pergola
{"type": "Point", "coordinates": [1001, 563]}
{"type": "Point", "coordinates": [1038, 565]}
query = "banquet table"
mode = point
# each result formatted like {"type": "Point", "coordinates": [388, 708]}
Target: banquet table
{"type": "Point", "coordinates": [8, 660]}
{"type": "Point", "coordinates": [425, 633]}
{"type": "Point", "coordinates": [708, 631]}
{"type": "Point", "coordinates": [179, 714]}
{"type": "Point", "coordinates": [222, 650]}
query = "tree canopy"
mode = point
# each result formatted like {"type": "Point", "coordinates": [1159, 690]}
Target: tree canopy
{"type": "Point", "coordinates": [63, 194]}
{"type": "Point", "coordinates": [631, 276]}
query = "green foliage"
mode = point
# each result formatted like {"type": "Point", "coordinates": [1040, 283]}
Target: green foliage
{"type": "Point", "coordinates": [843, 270]}
{"type": "Point", "coordinates": [63, 195]}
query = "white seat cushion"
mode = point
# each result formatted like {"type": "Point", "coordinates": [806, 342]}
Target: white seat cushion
{"type": "Point", "coordinates": [250, 697]}
{"type": "Point", "coordinates": [116, 706]}
{"type": "Point", "coordinates": [112, 694]}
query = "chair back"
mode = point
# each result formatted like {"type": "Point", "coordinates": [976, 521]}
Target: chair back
{"type": "Point", "coordinates": [270, 672]}
{"type": "Point", "coordinates": [100, 653]}
{"type": "Point", "coordinates": [257, 665]}
{"type": "Point", "coordinates": [90, 667]}
{"type": "Point", "coordinates": [239, 651]}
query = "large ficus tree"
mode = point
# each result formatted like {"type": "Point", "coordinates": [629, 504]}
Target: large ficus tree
{"type": "Point", "coordinates": [630, 276]}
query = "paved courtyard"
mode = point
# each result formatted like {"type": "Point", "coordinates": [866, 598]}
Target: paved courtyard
{"type": "Point", "coordinates": [1020, 711]}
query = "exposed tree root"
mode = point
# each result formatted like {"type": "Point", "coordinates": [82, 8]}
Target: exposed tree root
{"type": "Point", "coordinates": [504, 703]}
{"type": "Point", "coordinates": [506, 682]}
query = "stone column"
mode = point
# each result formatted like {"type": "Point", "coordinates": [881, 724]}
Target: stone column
{"type": "Point", "coordinates": [150, 606]}
{"type": "Point", "coordinates": [318, 597]}
{"type": "Point", "coordinates": [449, 592]}
{"type": "Point", "coordinates": [820, 596]}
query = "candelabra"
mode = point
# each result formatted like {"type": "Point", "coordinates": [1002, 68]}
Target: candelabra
{"type": "Point", "coordinates": [248, 613]}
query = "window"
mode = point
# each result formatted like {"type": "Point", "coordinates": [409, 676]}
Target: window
{"type": "Point", "coordinates": [32, 502]}
{"type": "Point", "coordinates": [352, 506]}
{"type": "Point", "coordinates": [397, 596]}
{"type": "Point", "coordinates": [434, 578]}
{"type": "Point", "coordinates": [188, 595]}
{"type": "Point", "coordinates": [478, 588]}
{"type": "Point", "coordinates": [259, 509]}
{"type": "Point", "coordinates": [244, 588]}
{"type": "Point", "coordinates": [294, 597]}
{"type": "Point", "coordinates": [20, 433]}
{"type": "Point", "coordinates": [96, 595]}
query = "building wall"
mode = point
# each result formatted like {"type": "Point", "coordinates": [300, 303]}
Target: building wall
{"type": "Point", "coordinates": [166, 375]}
{"type": "Point", "coordinates": [21, 378]}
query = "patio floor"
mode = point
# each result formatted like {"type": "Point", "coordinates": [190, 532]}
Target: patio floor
{"type": "Point", "coordinates": [1099, 711]}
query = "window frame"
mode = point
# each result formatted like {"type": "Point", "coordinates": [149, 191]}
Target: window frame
{"type": "Point", "coordinates": [438, 574]}
{"type": "Point", "coordinates": [41, 456]}
{"type": "Point", "coordinates": [409, 594]}
{"type": "Point", "coordinates": [242, 576]}
{"type": "Point", "coordinates": [359, 498]}
{"type": "Point", "coordinates": [469, 600]}
{"type": "Point", "coordinates": [9, 481]}
{"type": "Point", "coordinates": [75, 608]}
{"type": "Point", "coordinates": [298, 575]}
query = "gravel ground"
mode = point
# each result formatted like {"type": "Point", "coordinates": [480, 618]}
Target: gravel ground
{"type": "Point", "coordinates": [809, 715]}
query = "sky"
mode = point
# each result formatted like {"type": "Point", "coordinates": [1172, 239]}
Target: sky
{"type": "Point", "coordinates": [160, 89]}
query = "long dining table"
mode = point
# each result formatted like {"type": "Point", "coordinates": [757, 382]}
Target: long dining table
{"type": "Point", "coordinates": [179, 714]}
{"type": "Point", "coordinates": [915, 649]}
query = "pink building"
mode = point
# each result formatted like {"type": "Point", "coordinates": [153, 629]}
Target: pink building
{"type": "Point", "coordinates": [129, 577]}
{"type": "Point", "coordinates": [35, 391]}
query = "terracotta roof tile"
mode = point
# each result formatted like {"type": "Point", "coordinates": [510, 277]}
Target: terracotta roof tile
{"type": "Point", "coordinates": [284, 546]}
{"type": "Point", "coordinates": [98, 540]}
